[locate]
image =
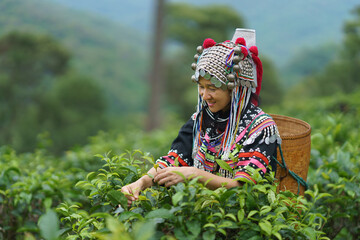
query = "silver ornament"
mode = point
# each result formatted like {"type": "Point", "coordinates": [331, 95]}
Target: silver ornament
{"type": "Point", "coordinates": [193, 66]}
{"type": "Point", "coordinates": [231, 77]}
{"type": "Point", "coordinates": [231, 85]}
{"type": "Point", "coordinates": [207, 76]}
{"type": "Point", "coordinates": [237, 50]}
{"type": "Point", "coordinates": [193, 78]}
{"type": "Point", "coordinates": [236, 59]}
{"type": "Point", "coordinates": [236, 68]}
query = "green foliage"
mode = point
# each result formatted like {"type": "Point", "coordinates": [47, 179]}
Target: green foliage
{"type": "Point", "coordinates": [49, 225]}
{"type": "Point", "coordinates": [29, 185]}
{"type": "Point", "coordinates": [108, 52]}
{"type": "Point", "coordinates": [189, 24]}
{"type": "Point", "coordinates": [308, 61]}
{"type": "Point", "coordinates": [272, 92]}
{"type": "Point", "coordinates": [31, 188]}
{"type": "Point", "coordinates": [188, 210]}
{"type": "Point", "coordinates": [38, 95]}
{"type": "Point", "coordinates": [74, 111]}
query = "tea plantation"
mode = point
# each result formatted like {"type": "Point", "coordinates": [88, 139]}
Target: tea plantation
{"type": "Point", "coordinates": [78, 196]}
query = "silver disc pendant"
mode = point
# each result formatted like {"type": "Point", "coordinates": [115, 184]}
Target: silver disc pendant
{"type": "Point", "coordinates": [272, 139]}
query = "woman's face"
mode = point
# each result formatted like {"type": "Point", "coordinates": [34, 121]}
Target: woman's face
{"type": "Point", "coordinates": [216, 98]}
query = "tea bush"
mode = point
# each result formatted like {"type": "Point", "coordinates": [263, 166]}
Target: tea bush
{"type": "Point", "coordinates": [188, 210]}
{"type": "Point", "coordinates": [78, 196]}
{"type": "Point", "coordinates": [30, 184]}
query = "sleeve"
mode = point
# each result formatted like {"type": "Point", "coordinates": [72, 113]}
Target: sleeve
{"type": "Point", "coordinates": [257, 150]}
{"type": "Point", "coordinates": [181, 148]}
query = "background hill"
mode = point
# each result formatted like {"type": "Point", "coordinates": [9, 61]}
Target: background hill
{"type": "Point", "coordinates": [103, 49]}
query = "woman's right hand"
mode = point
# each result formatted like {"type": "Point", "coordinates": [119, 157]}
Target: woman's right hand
{"type": "Point", "coordinates": [132, 191]}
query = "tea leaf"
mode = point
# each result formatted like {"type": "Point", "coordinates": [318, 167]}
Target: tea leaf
{"type": "Point", "coordinates": [265, 226]}
{"type": "Point", "coordinates": [49, 225]}
{"type": "Point", "coordinates": [177, 197]}
{"type": "Point", "coordinates": [241, 215]}
{"type": "Point", "coordinates": [117, 197]}
{"type": "Point", "coordinates": [159, 213]}
{"type": "Point", "coordinates": [253, 212]}
{"type": "Point", "coordinates": [224, 165]}
{"type": "Point", "coordinates": [208, 235]}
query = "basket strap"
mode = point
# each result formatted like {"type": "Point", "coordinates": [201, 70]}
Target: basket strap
{"type": "Point", "coordinates": [299, 179]}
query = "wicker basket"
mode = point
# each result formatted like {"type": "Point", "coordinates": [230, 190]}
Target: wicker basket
{"type": "Point", "coordinates": [296, 146]}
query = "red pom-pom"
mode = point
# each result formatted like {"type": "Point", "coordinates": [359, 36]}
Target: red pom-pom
{"type": "Point", "coordinates": [254, 50]}
{"type": "Point", "coordinates": [244, 51]}
{"type": "Point", "coordinates": [227, 41]}
{"type": "Point", "coordinates": [208, 43]}
{"type": "Point", "coordinates": [240, 41]}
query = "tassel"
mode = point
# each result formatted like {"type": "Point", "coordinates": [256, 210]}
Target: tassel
{"type": "Point", "coordinates": [259, 70]}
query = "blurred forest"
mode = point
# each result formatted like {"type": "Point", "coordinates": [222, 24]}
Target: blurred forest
{"type": "Point", "coordinates": [67, 74]}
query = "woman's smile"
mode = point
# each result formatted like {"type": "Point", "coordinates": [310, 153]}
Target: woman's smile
{"type": "Point", "coordinates": [216, 98]}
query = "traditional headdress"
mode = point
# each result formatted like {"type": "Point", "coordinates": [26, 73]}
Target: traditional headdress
{"type": "Point", "coordinates": [230, 65]}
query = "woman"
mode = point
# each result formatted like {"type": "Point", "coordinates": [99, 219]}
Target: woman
{"type": "Point", "coordinates": [227, 126]}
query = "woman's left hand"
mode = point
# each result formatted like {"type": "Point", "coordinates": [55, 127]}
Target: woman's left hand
{"type": "Point", "coordinates": [169, 175]}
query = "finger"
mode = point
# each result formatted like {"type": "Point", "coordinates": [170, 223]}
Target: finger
{"type": "Point", "coordinates": [168, 184]}
{"type": "Point", "coordinates": [164, 180]}
{"type": "Point", "coordinates": [128, 193]}
{"type": "Point", "coordinates": [160, 176]}
{"type": "Point", "coordinates": [136, 195]}
{"type": "Point", "coordinates": [126, 190]}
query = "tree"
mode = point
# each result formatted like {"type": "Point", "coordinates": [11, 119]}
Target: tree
{"type": "Point", "coordinates": [31, 68]}
{"type": "Point", "coordinates": [155, 78]}
{"type": "Point", "coordinates": [74, 112]}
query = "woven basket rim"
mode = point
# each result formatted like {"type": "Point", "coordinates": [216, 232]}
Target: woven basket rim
{"type": "Point", "coordinates": [306, 132]}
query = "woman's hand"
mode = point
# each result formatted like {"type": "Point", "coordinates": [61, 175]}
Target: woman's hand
{"type": "Point", "coordinates": [132, 191]}
{"type": "Point", "coordinates": [169, 175]}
